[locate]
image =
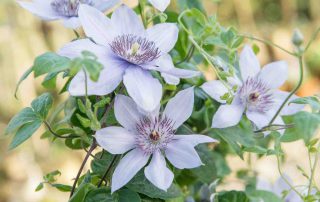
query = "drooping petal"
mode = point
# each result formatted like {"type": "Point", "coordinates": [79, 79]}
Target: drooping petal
{"type": "Point", "coordinates": [165, 36]}
{"type": "Point", "coordinates": [104, 5]}
{"type": "Point", "coordinates": [215, 89]}
{"type": "Point", "coordinates": [145, 90]}
{"type": "Point", "coordinates": [72, 23]}
{"type": "Point", "coordinates": [228, 115]}
{"type": "Point", "coordinates": [126, 112]}
{"type": "Point", "coordinates": [260, 119]}
{"type": "Point", "coordinates": [182, 155]}
{"type": "Point", "coordinates": [290, 108]}
{"type": "Point", "coordinates": [42, 10]}
{"type": "Point", "coordinates": [115, 140]}
{"type": "Point", "coordinates": [161, 5]}
{"type": "Point", "coordinates": [127, 168]}
{"type": "Point", "coordinates": [180, 107]}
{"type": "Point", "coordinates": [194, 140]}
{"type": "Point", "coordinates": [158, 173]}
{"type": "Point", "coordinates": [249, 64]}
{"type": "Point", "coordinates": [126, 21]}
{"type": "Point", "coordinates": [96, 25]}
{"type": "Point", "coordinates": [169, 79]}
{"type": "Point", "coordinates": [274, 74]}
{"type": "Point", "coordinates": [108, 80]}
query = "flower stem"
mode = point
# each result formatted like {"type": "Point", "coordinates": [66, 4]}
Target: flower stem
{"type": "Point", "coordinates": [93, 146]}
{"type": "Point", "coordinates": [313, 169]}
{"type": "Point", "coordinates": [108, 170]}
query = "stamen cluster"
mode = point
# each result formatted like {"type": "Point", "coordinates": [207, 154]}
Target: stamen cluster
{"type": "Point", "coordinates": [154, 133]}
{"type": "Point", "coordinates": [135, 49]}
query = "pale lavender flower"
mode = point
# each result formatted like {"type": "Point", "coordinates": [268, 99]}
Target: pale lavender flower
{"type": "Point", "coordinates": [66, 10]}
{"type": "Point", "coordinates": [129, 53]}
{"type": "Point", "coordinates": [161, 5]}
{"type": "Point", "coordinates": [146, 135]}
{"type": "Point", "coordinates": [257, 95]}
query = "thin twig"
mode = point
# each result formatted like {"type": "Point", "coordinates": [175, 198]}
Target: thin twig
{"type": "Point", "coordinates": [93, 146]}
{"type": "Point", "coordinates": [107, 171]}
{"type": "Point", "coordinates": [188, 56]}
{"type": "Point", "coordinates": [55, 134]}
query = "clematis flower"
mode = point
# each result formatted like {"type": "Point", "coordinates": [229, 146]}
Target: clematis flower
{"type": "Point", "coordinates": [129, 53]}
{"type": "Point", "coordinates": [66, 10]}
{"type": "Point", "coordinates": [146, 135]}
{"type": "Point", "coordinates": [257, 95]}
{"type": "Point", "coordinates": [161, 5]}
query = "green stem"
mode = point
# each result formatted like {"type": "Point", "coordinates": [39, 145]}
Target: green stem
{"type": "Point", "coordinates": [285, 179]}
{"type": "Point", "coordinates": [313, 169]}
{"type": "Point", "coordinates": [108, 170]}
{"type": "Point", "coordinates": [292, 92]}
{"type": "Point", "coordinates": [55, 134]}
{"type": "Point", "coordinates": [314, 36]}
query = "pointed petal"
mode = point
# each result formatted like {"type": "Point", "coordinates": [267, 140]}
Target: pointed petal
{"type": "Point", "coordinates": [278, 70]}
{"type": "Point", "coordinates": [228, 115]}
{"type": "Point", "coordinates": [165, 36]}
{"type": "Point", "coordinates": [126, 21]}
{"type": "Point", "coordinates": [115, 140]}
{"type": "Point", "coordinates": [145, 90]}
{"type": "Point", "coordinates": [103, 5]}
{"type": "Point", "coordinates": [96, 25]}
{"type": "Point", "coordinates": [180, 107]}
{"type": "Point", "coordinates": [260, 119]}
{"type": "Point", "coordinates": [108, 80]}
{"type": "Point", "coordinates": [126, 112]}
{"type": "Point", "coordinates": [169, 79]}
{"type": "Point", "coordinates": [127, 168]}
{"type": "Point", "coordinates": [42, 10]}
{"type": "Point", "coordinates": [290, 108]}
{"type": "Point", "coordinates": [194, 140]}
{"type": "Point", "coordinates": [215, 89]}
{"type": "Point", "coordinates": [72, 23]}
{"type": "Point", "coordinates": [158, 173]}
{"type": "Point", "coordinates": [249, 64]}
{"type": "Point", "coordinates": [161, 5]}
{"type": "Point", "coordinates": [182, 155]}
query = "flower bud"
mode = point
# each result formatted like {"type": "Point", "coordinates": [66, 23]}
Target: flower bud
{"type": "Point", "coordinates": [297, 38]}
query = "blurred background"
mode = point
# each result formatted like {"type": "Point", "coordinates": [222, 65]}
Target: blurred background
{"type": "Point", "coordinates": [23, 37]}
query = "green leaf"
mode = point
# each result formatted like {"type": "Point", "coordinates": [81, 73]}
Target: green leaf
{"type": "Point", "coordinates": [141, 185]}
{"type": "Point", "coordinates": [62, 187]}
{"type": "Point", "coordinates": [127, 195]}
{"type": "Point", "coordinates": [313, 101]}
{"type": "Point", "coordinates": [25, 132]}
{"type": "Point", "coordinates": [39, 187]}
{"type": "Point", "coordinates": [42, 104]}
{"type": "Point", "coordinates": [233, 196]}
{"type": "Point", "coordinates": [26, 115]}
{"type": "Point", "coordinates": [49, 63]}
{"type": "Point", "coordinates": [100, 195]}
{"type": "Point", "coordinates": [50, 80]}
{"type": "Point", "coordinates": [100, 163]}
{"type": "Point", "coordinates": [23, 77]}
{"type": "Point", "coordinates": [81, 193]}
{"type": "Point", "coordinates": [51, 177]}
{"type": "Point", "coordinates": [260, 195]}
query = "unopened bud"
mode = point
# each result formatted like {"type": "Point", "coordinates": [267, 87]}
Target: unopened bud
{"type": "Point", "coordinates": [297, 38]}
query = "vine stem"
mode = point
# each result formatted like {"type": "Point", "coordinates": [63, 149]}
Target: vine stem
{"type": "Point", "coordinates": [108, 170]}
{"type": "Point", "coordinates": [313, 169]}
{"type": "Point", "coordinates": [188, 56]}
{"type": "Point", "coordinates": [93, 146]}
{"type": "Point", "coordinates": [285, 179]}
{"type": "Point", "coordinates": [54, 133]}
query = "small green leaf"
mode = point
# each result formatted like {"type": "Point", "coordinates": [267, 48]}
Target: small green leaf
{"type": "Point", "coordinates": [62, 187]}
{"type": "Point", "coordinates": [260, 195]}
{"type": "Point", "coordinates": [127, 195]}
{"type": "Point", "coordinates": [84, 121]}
{"type": "Point", "coordinates": [313, 101]}
{"type": "Point", "coordinates": [25, 132]}
{"type": "Point", "coordinates": [233, 196]}
{"type": "Point", "coordinates": [100, 195]}
{"type": "Point", "coordinates": [39, 187]}
{"type": "Point", "coordinates": [23, 77]}
{"type": "Point", "coordinates": [50, 80]}
{"type": "Point", "coordinates": [42, 104]}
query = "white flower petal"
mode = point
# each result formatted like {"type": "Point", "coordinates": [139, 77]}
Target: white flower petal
{"type": "Point", "coordinates": [180, 107]}
{"type": "Point", "coordinates": [228, 115]}
{"type": "Point", "coordinates": [126, 21]}
{"type": "Point", "coordinates": [145, 90]}
{"type": "Point", "coordinates": [40, 9]}
{"type": "Point", "coordinates": [215, 89]}
{"type": "Point", "coordinates": [108, 80]}
{"type": "Point", "coordinates": [249, 64]}
{"type": "Point", "coordinates": [182, 155]}
{"type": "Point", "coordinates": [289, 109]}
{"type": "Point", "coordinates": [274, 74]}
{"type": "Point", "coordinates": [96, 25]}
{"type": "Point", "coordinates": [72, 23]}
{"type": "Point", "coordinates": [115, 140]}
{"type": "Point", "coordinates": [165, 36]}
{"type": "Point", "coordinates": [169, 79]}
{"type": "Point", "coordinates": [161, 5]}
{"type": "Point", "coordinates": [104, 5]}
{"type": "Point", "coordinates": [194, 140]}
{"type": "Point", "coordinates": [127, 168]}
{"type": "Point", "coordinates": [158, 173]}
{"type": "Point", "coordinates": [126, 112]}
{"type": "Point", "coordinates": [260, 119]}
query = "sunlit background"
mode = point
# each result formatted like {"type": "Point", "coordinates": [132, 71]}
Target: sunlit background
{"type": "Point", "coordinates": [23, 37]}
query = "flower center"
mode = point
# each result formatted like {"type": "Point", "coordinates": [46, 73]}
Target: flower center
{"type": "Point", "coordinates": [154, 133]}
{"type": "Point", "coordinates": [135, 49]}
{"type": "Point", "coordinates": [69, 8]}
{"type": "Point", "coordinates": [256, 95]}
